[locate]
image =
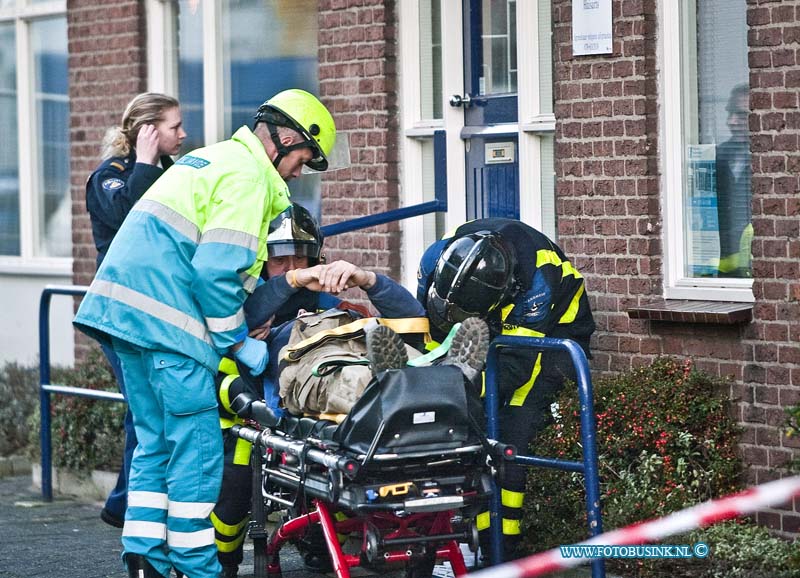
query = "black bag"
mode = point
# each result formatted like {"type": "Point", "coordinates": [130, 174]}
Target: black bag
{"type": "Point", "coordinates": [413, 409]}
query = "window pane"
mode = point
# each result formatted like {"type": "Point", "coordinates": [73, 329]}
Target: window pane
{"type": "Point", "coordinates": [545, 57]}
{"type": "Point", "coordinates": [499, 39]}
{"type": "Point", "coordinates": [432, 223]}
{"type": "Point", "coordinates": [190, 71]}
{"type": "Point", "coordinates": [718, 232]}
{"type": "Point", "coordinates": [49, 43]}
{"type": "Point", "coordinates": [9, 157]}
{"type": "Point", "coordinates": [270, 45]}
{"type": "Point", "coordinates": [430, 58]}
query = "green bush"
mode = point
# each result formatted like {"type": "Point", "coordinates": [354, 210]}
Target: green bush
{"type": "Point", "coordinates": [87, 434]}
{"type": "Point", "coordinates": [665, 441]}
{"type": "Point", "coordinates": [19, 390]}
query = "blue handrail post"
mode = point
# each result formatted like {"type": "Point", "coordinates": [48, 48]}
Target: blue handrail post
{"type": "Point", "coordinates": [589, 465]}
{"type": "Point", "coordinates": [45, 388]}
{"type": "Point", "coordinates": [44, 395]}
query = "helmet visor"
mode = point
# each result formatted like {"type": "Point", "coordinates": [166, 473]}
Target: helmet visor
{"type": "Point", "coordinates": [339, 157]}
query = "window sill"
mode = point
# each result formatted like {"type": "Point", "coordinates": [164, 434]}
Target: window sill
{"type": "Point", "coordinates": [680, 311]}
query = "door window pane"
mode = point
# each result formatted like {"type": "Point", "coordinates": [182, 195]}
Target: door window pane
{"type": "Point", "coordinates": [717, 214]}
{"type": "Point", "coordinates": [499, 45]}
{"type": "Point", "coordinates": [51, 100]}
{"type": "Point", "coordinates": [190, 71]}
{"type": "Point", "coordinates": [9, 157]}
{"type": "Point", "coordinates": [430, 57]}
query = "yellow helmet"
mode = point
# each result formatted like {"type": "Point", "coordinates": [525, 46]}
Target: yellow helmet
{"type": "Point", "coordinates": [304, 113]}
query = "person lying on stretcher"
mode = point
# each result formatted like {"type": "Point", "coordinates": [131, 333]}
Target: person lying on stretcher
{"type": "Point", "coordinates": [295, 280]}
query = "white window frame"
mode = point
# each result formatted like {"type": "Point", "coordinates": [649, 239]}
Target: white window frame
{"type": "Point", "coordinates": [533, 123]}
{"type": "Point", "coordinates": [28, 263]}
{"type": "Point", "coordinates": [414, 127]}
{"type": "Point", "coordinates": [673, 90]}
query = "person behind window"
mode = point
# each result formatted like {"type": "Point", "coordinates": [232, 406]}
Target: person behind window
{"type": "Point", "coordinates": [169, 297]}
{"type": "Point", "coordinates": [134, 155]}
{"type": "Point", "coordinates": [733, 189]}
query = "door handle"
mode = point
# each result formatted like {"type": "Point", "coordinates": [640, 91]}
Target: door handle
{"type": "Point", "coordinates": [457, 100]}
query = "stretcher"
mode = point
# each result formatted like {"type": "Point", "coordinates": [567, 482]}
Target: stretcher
{"type": "Point", "coordinates": [395, 487]}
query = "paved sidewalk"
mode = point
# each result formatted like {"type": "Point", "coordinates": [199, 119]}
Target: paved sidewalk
{"type": "Point", "coordinates": [66, 538]}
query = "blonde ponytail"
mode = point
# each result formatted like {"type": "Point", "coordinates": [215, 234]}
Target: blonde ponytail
{"type": "Point", "coordinates": [145, 108]}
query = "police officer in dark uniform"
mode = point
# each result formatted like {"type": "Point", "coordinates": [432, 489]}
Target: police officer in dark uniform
{"type": "Point", "coordinates": [134, 155]}
{"type": "Point", "coordinates": [521, 283]}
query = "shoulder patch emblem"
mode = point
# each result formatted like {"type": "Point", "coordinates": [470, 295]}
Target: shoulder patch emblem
{"type": "Point", "coordinates": [112, 184]}
{"type": "Point", "coordinates": [194, 162]}
{"type": "Point", "coordinates": [116, 165]}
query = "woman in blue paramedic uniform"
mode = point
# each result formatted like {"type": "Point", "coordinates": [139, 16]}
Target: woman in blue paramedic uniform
{"type": "Point", "coordinates": [134, 155]}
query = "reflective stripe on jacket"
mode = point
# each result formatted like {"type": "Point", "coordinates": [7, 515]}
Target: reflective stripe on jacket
{"type": "Point", "coordinates": [178, 271]}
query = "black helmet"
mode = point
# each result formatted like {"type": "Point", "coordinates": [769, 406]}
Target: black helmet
{"type": "Point", "coordinates": [474, 276]}
{"type": "Point", "coordinates": [294, 232]}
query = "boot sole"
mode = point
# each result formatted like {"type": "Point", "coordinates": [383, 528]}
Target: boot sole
{"type": "Point", "coordinates": [385, 350]}
{"type": "Point", "coordinates": [470, 345]}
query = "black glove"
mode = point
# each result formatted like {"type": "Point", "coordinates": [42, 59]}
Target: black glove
{"type": "Point", "coordinates": [248, 408]}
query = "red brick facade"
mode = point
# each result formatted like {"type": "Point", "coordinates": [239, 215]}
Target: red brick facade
{"type": "Point", "coordinates": [772, 377]}
{"type": "Point", "coordinates": [610, 217]}
{"type": "Point", "coordinates": [107, 67]}
{"type": "Point", "coordinates": [609, 197]}
{"type": "Point", "coordinates": [358, 81]}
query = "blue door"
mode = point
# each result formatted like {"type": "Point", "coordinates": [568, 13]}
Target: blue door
{"type": "Point", "coordinates": [490, 108]}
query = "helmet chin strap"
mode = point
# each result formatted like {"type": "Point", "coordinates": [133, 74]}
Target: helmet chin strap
{"type": "Point", "coordinates": [282, 149]}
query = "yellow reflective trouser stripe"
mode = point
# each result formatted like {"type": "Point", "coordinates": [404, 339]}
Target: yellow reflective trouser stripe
{"type": "Point", "coordinates": [510, 527]}
{"type": "Point", "coordinates": [572, 311]}
{"type": "Point", "coordinates": [228, 366]}
{"type": "Point", "coordinates": [241, 455]}
{"type": "Point", "coordinates": [232, 531]}
{"type": "Point", "coordinates": [227, 529]}
{"type": "Point", "coordinates": [522, 392]}
{"type": "Point", "coordinates": [224, 390]}
{"type": "Point", "coordinates": [512, 499]}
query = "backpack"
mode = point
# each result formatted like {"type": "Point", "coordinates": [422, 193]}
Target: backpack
{"type": "Point", "coordinates": [324, 367]}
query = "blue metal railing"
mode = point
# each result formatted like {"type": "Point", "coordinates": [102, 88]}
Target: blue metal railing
{"type": "Point", "coordinates": [589, 465]}
{"type": "Point", "coordinates": [46, 388]}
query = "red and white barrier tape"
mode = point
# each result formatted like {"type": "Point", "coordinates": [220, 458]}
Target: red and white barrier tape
{"type": "Point", "coordinates": [705, 514]}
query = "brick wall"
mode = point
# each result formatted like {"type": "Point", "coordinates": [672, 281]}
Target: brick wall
{"type": "Point", "coordinates": [107, 56]}
{"type": "Point", "coordinates": [610, 220]}
{"type": "Point", "coordinates": [607, 174]}
{"type": "Point", "coordinates": [358, 82]}
{"type": "Point", "coordinates": [772, 379]}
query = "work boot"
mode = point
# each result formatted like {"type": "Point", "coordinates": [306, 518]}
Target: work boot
{"type": "Point", "coordinates": [229, 571]}
{"type": "Point", "coordinates": [111, 519]}
{"type": "Point", "coordinates": [385, 350]}
{"type": "Point", "coordinates": [139, 567]}
{"type": "Point", "coordinates": [469, 348]}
